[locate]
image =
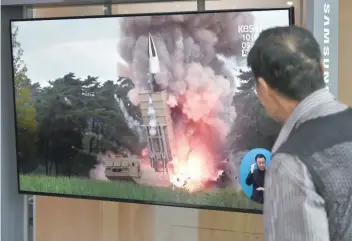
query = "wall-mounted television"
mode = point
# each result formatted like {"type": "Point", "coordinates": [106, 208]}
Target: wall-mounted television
{"type": "Point", "coordinates": [149, 108]}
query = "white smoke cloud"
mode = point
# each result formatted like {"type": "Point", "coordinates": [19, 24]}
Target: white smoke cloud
{"type": "Point", "coordinates": [188, 47]}
{"type": "Point", "coordinates": [98, 172]}
{"type": "Point", "coordinates": [130, 121]}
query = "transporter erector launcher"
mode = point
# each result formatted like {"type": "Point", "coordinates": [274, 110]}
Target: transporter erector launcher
{"type": "Point", "coordinates": [156, 116]}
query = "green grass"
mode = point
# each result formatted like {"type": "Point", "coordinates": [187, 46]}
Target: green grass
{"type": "Point", "coordinates": [128, 190]}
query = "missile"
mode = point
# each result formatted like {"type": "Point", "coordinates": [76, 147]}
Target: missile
{"type": "Point", "coordinates": [154, 68]}
{"type": "Point", "coordinates": [154, 65]}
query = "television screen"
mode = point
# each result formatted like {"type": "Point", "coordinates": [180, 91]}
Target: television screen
{"type": "Point", "coordinates": [151, 108]}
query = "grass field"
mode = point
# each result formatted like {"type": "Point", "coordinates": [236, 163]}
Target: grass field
{"type": "Point", "coordinates": [127, 190]}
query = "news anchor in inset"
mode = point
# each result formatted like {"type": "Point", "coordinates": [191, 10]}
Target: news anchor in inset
{"type": "Point", "coordinates": [256, 178]}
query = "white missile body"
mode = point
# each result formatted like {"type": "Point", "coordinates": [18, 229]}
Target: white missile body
{"type": "Point", "coordinates": [154, 65]}
{"type": "Point", "coordinates": [154, 68]}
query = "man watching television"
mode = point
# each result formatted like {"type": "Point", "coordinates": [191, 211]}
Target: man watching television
{"type": "Point", "coordinates": [308, 186]}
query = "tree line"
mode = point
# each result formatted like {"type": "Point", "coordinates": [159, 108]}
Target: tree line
{"type": "Point", "coordinates": [62, 125]}
{"type": "Point", "coordinates": [253, 128]}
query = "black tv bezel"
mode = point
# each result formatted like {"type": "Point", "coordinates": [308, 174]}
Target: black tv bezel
{"type": "Point", "coordinates": [291, 17]}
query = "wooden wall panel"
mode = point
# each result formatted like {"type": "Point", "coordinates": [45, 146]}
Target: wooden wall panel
{"type": "Point", "coordinates": [63, 11]}
{"type": "Point", "coordinates": [110, 221]}
{"type": "Point", "coordinates": [232, 225]}
{"type": "Point", "coordinates": [67, 219]}
{"type": "Point", "coordinates": [136, 222]}
{"type": "Point", "coordinates": [59, 219]}
{"type": "Point", "coordinates": [202, 234]}
{"type": "Point", "coordinates": [237, 222]}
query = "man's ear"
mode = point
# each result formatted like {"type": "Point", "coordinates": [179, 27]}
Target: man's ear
{"type": "Point", "coordinates": [322, 66]}
{"type": "Point", "coordinates": [263, 86]}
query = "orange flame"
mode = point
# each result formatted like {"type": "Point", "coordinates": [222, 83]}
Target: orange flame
{"type": "Point", "coordinates": [193, 174]}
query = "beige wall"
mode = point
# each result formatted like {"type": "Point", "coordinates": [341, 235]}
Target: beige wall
{"type": "Point", "coordinates": [60, 219]}
{"type": "Point", "coordinates": [46, 12]}
{"type": "Point", "coordinates": [345, 51]}
{"type": "Point", "coordinates": [154, 7]}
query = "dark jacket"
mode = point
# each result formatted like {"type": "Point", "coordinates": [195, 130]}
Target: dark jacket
{"type": "Point", "coordinates": [257, 180]}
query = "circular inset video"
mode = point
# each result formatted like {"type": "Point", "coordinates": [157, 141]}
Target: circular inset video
{"type": "Point", "coordinates": [252, 172]}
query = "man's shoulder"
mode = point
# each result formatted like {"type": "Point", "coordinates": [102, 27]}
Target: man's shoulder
{"type": "Point", "coordinates": [289, 166]}
{"type": "Point", "coordinates": [282, 160]}
{"type": "Point", "coordinates": [319, 134]}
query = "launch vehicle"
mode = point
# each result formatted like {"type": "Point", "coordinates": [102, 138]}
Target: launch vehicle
{"type": "Point", "coordinates": [156, 115]}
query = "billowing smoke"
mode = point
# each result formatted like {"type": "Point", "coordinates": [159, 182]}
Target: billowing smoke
{"type": "Point", "coordinates": [191, 50]}
{"type": "Point", "coordinates": [130, 121]}
{"type": "Point", "coordinates": [98, 172]}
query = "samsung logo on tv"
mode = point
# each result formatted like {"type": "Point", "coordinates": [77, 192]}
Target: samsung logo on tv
{"type": "Point", "coordinates": [326, 45]}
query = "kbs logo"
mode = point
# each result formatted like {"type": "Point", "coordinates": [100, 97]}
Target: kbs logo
{"type": "Point", "coordinates": [250, 28]}
{"type": "Point", "coordinates": [249, 33]}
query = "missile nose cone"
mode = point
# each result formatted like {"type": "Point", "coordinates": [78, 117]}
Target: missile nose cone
{"type": "Point", "coordinates": [154, 66]}
{"type": "Point", "coordinates": [151, 47]}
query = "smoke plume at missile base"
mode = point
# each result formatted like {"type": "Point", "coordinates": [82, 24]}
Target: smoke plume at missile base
{"type": "Point", "coordinates": [199, 83]}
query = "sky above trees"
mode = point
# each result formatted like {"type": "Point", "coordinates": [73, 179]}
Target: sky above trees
{"type": "Point", "coordinates": [84, 46]}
